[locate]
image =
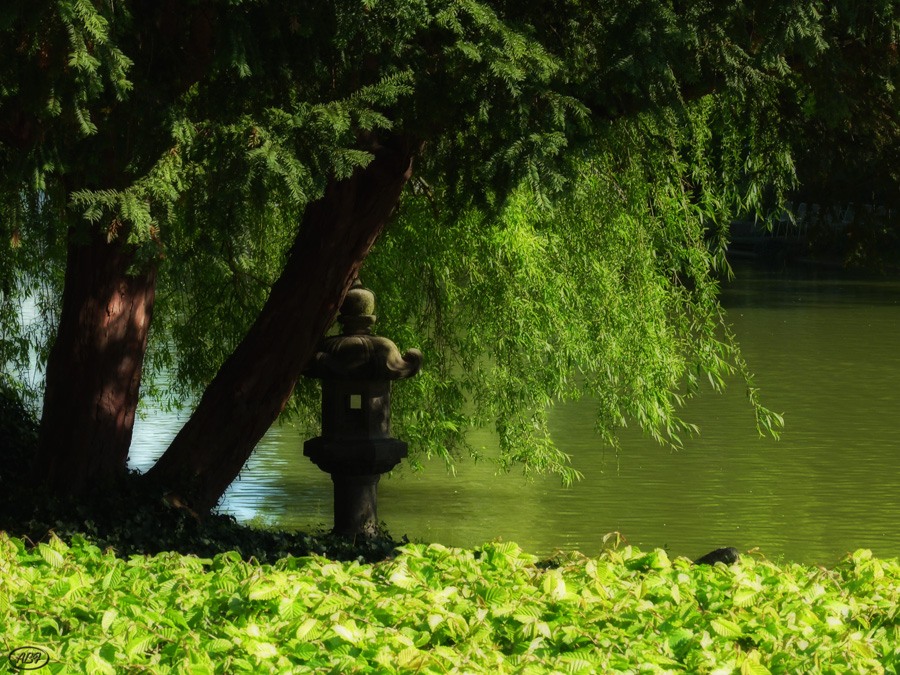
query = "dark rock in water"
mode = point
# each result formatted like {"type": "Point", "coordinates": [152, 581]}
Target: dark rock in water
{"type": "Point", "coordinates": [728, 556]}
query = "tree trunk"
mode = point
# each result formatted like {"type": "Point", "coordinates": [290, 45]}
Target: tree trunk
{"type": "Point", "coordinates": [94, 369]}
{"type": "Point", "coordinates": [256, 381]}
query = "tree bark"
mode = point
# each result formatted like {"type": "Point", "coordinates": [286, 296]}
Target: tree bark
{"type": "Point", "coordinates": [256, 381]}
{"type": "Point", "coordinates": [94, 369]}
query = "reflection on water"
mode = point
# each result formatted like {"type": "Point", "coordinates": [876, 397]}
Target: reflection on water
{"type": "Point", "coordinates": [824, 350]}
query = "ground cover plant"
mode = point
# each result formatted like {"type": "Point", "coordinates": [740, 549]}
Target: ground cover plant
{"type": "Point", "coordinates": [434, 609]}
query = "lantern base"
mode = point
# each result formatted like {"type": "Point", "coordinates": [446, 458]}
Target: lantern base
{"type": "Point", "coordinates": [355, 467]}
{"type": "Point", "coordinates": [356, 504]}
{"type": "Point", "coordinates": [355, 457]}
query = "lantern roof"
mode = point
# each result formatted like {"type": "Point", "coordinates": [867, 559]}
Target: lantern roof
{"type": "Point", "coordinates": [356, 354]}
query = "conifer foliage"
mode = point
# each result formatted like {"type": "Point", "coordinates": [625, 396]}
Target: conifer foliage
{"type": "Point", "coordinates": [192, 186]}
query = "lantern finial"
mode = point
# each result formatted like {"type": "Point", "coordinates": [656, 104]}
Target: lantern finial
{"type": "Point", "coordinates": [357, 311]}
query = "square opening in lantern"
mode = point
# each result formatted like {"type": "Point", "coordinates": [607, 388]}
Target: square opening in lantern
{"type": "Point", "coordinates": [355, 402]}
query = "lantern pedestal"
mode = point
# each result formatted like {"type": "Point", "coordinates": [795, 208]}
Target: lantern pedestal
{"type": "Point", "coordinates": [355, 468]}
{"type": "Point", "coordinates": [356, 504]}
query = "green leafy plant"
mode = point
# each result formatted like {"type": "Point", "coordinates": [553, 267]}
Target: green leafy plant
{"type": "Point", "coordinates": [434, 609]}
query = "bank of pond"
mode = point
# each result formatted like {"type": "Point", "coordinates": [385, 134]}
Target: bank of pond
{"type": "Point", "coordinates": [429, 609]}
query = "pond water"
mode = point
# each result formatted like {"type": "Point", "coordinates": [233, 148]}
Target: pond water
{"type": "Point", "coordinates": [824, 349]}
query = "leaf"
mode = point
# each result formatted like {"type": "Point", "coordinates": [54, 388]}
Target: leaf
{"type": "Point", "coordinates": [58, 544]}
{"type": "Point", "coordinates": [167, 586]}
{"type": "Point", "coordinates": [659, 560]}
{"type": "Point", "coordinates": [726, 628]}
{"type": "Point", "coordinates": [346, 633]}
{"type": "Point", "coordinates": [861, 648]}
{"type": "Point", "coordinates": [226, 584]}
{"type": "Point", "coordinates": [139, 645]}
{"type": "Point", "coordinates": [305, 628]}
{"type": "Point", "coordinates": [262, 591]}
{"type": "Point", "coordinates": [264, 650]}
{"type": "Point", "coordinates": [411, 658]}
{"type": "Point", "coordinates": [578, 666]}
{"type": "Point", "coordinates": [219, 645]}
{"type": "Point", "coordinates": [291, 609]}
{"type": "Point", "coordinates": [97, 665]}
{"type": "Point", "coordinates": [77, 590]}
{"type": "Point", "coordinates": [403, 580]}
{"type": "Point", "coordinates": [554, 585]}
{"type": "Point", "coordinates": [175, 619]}
{"type": "Point", "coordinates": [861, 554]}
{"type": "Point", "coordinates": [329, 605]}
{"type": "Point", "coordinates": [495, 595]}
{"type": "Point", "coordinates": [675, 591]}
{"type": "Point", "coordinates": [507, 548]}
{"type": "Point", "coordinates": [744, 597]}
{"type": "Point", "coordinates": [754, 667]}
{"type": "Point", "coordinates": [200, 669]}
{"type": "Point", "coordinates": [112, 578]}
{"type": "Point", "coordinates": [108, 617]}
{"type": "Point", "coordinates": [813, 593]}
{"type": "Point", "coordinates": [679, 637]}
{"type": "Point", "coordinates": [51, 556]}
{"type": "Point", "coordinates": [527, 614]}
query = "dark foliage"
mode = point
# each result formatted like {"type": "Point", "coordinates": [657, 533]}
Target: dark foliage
{"type": "Point", "coordinates": [18, 437]}
{"type": "Point", "coordinates": [137, 521]}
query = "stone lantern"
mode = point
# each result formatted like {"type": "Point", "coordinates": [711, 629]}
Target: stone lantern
{"type": "Point", "coordinates": [356, 369]}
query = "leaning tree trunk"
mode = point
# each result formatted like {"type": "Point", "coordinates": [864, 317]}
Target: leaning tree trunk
{"type": "Point", "coordinates": [94, 368]}
{"type": "Point", "coordinates": [256, 381]}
